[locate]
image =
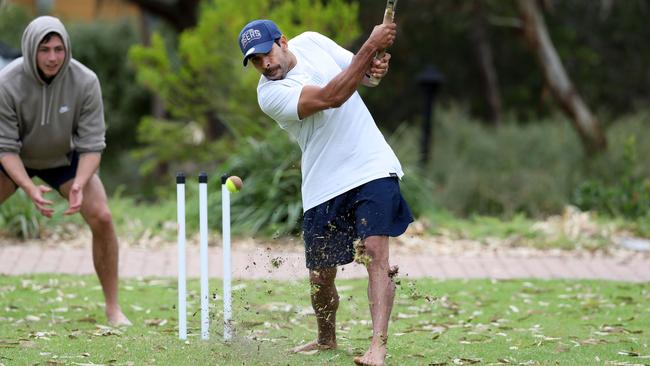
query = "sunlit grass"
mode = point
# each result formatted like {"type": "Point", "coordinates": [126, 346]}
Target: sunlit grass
{"type": "Point", "coordinates": [58, 320]}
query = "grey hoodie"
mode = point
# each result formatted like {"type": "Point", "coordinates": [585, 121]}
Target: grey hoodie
{"type": "Point", "coordinates": [44, 122]}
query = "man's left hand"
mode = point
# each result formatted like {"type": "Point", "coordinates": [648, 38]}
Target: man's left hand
{"type": "Point", "coordinates": [75, 198]}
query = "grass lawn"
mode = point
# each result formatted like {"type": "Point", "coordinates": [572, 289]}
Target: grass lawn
{"type": "Point", "coordinates": [58, 320]}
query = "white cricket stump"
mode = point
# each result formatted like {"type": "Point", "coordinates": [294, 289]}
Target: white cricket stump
{"type": "Point", "coordinates": [182, 304]}
{"type": "Point", "coordinates": [203, 252]}
{"type": "Point", "coordinates": [203, 249]}
{"type": "Point", "coordinates": [227, 291]}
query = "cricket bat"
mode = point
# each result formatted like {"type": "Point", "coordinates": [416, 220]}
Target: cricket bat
{"type": "Point", "coordinates": [389, 15]}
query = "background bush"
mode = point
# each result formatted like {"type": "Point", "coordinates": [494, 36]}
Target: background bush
{"type": "Point", "coordinates": [13, 20]}
{"type": "Point", "coordinates": [19, 217]}
{"type": "Point", "coordinates": [628, 197]}
{"type": "Point", "coordinates": [532, 169]}
{"type": "Point", "coordinates": [518, 168]}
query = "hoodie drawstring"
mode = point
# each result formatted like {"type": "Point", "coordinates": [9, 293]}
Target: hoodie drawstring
{"type": "Point", "coordinates": [43, 111]}
{"type": "Point", "coordinates": [46, 107]}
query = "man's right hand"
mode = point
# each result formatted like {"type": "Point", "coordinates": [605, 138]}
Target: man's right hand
{"type": "Point", "coordinates": [383, 36]}
{"type": "Point", "coordinates": [43, 205]}
{"type": "Point", "coordinates": [16, 170]}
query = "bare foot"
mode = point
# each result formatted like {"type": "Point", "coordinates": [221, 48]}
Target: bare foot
{"type": "Point", "coordinates": [117, 319]}
{"type": "Point", "coordinates": [375, 356]}
{"type": "Point", "coordinates": [314, 346]}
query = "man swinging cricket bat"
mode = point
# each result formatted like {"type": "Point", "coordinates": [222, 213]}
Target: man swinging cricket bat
{"type": "Point", "coordinates": [350, 175]}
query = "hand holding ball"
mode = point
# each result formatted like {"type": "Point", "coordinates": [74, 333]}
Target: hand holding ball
{"type": "Point", "coordinates": [234, 184]}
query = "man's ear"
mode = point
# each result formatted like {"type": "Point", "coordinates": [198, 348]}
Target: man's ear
{"type": "Point", "coordinates": [283, 42]}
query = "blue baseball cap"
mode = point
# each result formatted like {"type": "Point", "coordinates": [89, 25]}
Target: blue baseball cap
{"type": "Point", "coordinates": [258, 36]}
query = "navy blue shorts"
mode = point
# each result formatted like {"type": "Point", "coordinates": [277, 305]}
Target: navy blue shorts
{"type": "Point", "coordinates": [330, 229]}
{"type": "Point", "coordinates": [54, 177]}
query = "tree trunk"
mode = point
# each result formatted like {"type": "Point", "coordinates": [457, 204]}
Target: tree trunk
{"type": "Point", "coordinates": [589, 130]}
{"type": "Point", "coordinates": [157, 104]}
{"type": "Point", "coordinates": [489, 76]}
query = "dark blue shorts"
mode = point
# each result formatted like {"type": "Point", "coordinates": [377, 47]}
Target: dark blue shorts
{"type": "Point", "coordinates": [330, 229]}
{"type": "Point", "coordinates": [54, 177]}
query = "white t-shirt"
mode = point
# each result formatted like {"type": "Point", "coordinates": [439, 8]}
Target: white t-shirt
{"type": "Point", "coordinates": [342, 148]}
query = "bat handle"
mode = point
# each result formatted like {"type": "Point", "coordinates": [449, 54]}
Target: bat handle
{"type": "Point", "coordinates": [389, 16]}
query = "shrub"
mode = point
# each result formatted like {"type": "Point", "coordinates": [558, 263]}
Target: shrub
{"type": "Point", "coordinates": [19, 217]}
{"type": "Point", "coordinates": [531, 169]}
{"type": "Point", "coordinates": [629, 196]}
{"type": "Point", "coordinates": [13, 21]}
{"type": "Point", "coordinates": [270, 202]}
{"type": "Point", "coordinates": [474, 169]}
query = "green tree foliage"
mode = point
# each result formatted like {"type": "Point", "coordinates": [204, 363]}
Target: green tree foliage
{"type": "Point", "coordinates": [604, 50]}
{"type": "Point", "coordinates": [202, 81]}
{"type": "Point", "coordinates": [13, 20]}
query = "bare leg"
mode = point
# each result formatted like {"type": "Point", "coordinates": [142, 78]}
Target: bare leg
{"type": "Point", "coordinates": [95, 211]}
{"type": "Point", "coordinates": [381, 292]}
{"type": "Point", "coordinates": [325, 301]}
{"type": "Point", "coordinates": [7, 187]}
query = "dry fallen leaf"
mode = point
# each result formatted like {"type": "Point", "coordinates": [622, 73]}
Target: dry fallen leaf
{"type": "Point", "coordinates": [8, 344]}
{"type": "Point", "coordinates": [155, 322]}
{"type": "Point", "coordinates": [27, 344]}
{"type": "Point", "coordinates": [87, 319]}
{"type": "Point", "coordinates": [629, 353]}
{"type": "Point", "coordinates": [103, 330]}
{"type": "Point", "coordinates": [309, 353]}
{"type": "Point", "coordinates": [466, 361]}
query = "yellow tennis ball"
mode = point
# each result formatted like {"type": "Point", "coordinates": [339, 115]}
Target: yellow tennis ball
{"type": "Point", "coordinates": [234, 183]}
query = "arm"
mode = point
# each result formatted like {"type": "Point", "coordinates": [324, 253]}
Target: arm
{"type": "Point", "coordinates": [89, 141]}
{"type": "Point", "coordinates": [88, 165]}
{"type": "Point", "coordinates": [90, 129]}
{"type": "Point", "coordinates": [16, 170]}
{"type": "Point", "coordinates": [10, 145]}
{"type": "Point", "coordinates": [314, 99]}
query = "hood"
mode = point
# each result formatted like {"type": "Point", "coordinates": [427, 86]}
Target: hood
{"type": "Point", "coordinates": [34, 34]}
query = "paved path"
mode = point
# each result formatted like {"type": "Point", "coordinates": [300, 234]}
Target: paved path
{"type": "Point", "coordinates": [267, 263]}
